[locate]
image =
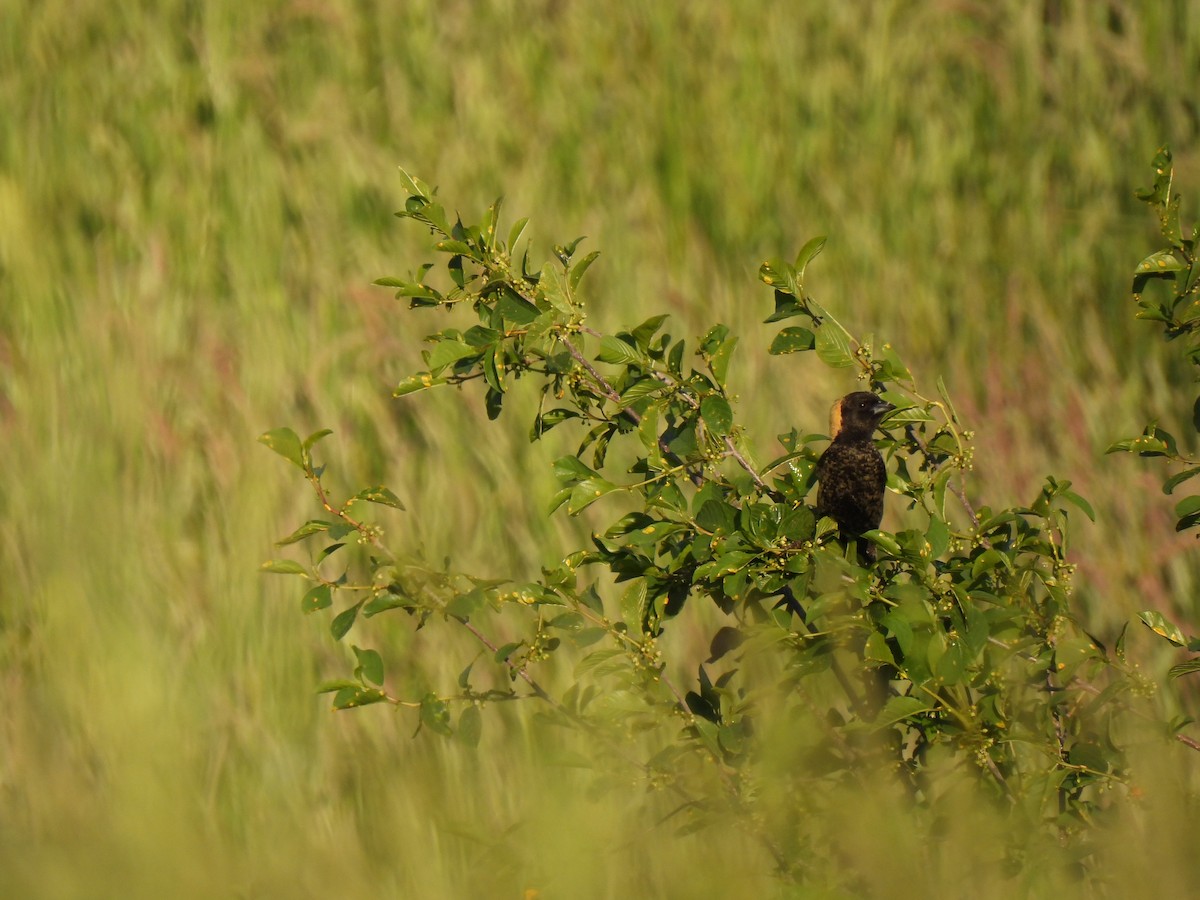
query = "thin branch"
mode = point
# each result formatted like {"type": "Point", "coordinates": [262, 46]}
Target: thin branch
{"type": "Point", "coordinates": [601, 382]}
{"type": "Point", "coordinates": [1187, 741]}
{"type": "Point", "coordinates": [537, 689]}
{"type": "Point", "coordinates": [744, 463]}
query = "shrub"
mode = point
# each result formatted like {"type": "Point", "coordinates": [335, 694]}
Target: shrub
{"type": "Point", "coordinates": [952, 664]}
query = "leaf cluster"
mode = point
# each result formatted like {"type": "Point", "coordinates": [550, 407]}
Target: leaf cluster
{"type": "Point", "coordinates": [956, 651]}
{"type": "Point", "coordinates": [1176, 268]}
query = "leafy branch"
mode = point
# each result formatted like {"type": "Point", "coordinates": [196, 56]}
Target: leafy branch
{"type": "Point", "coordinates": [958, 645]}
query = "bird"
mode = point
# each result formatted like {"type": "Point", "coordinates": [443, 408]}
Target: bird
{"type": "Point", "coordinates": [851, 475]}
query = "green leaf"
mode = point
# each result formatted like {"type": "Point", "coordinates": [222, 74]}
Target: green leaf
{"type": "Point", "coordinates": [465, 605]}
{"type": "Point", "coordinates": [378, 494]}
{"type": "Point", "coordinates": [833, 344]}
{"type": "Point", "coordinates": [717, 414]}
{"type": "Point", "coordinates": [618, 352]}
{"type": "Point", "coordinates": [327, 552]}
{"type": "Point", "coordinates": [884, 541]}
{"type": "Point", "coordinates": [516, 232]}
{"type": "Point", "coordinates": [1191, 665]}
{"type": "Point", "coordinates": [1187, 506]}
{"type": "Point", "coordinates": [283, 567]}
{"type": "Point", "coordinates": [570, 470]}
{"type": "Point", "coordinates": [938, 536]}
{"type": "Point", "coordinates": [633, 605]}
{"type": "Point", "coordinates": [792, 340]}
{"type": "Point", "coordinates": [551, 285]}
{"type": "Point", "coordinates": [1157, 623]}
{"type": "Point", "coordinates": [591, 599]}
{"type": "Point", "coordinates": [940, 483]}
{"type": "Point", "coordinates": [719, 360]}
{"type": "Point", "coordinates": [435, 715]}
{"type": "Point", "coordinates": [470, 726]}
{"type": "Point", "coordinates": [786, 306]}
{"type": "Point", "coordinates": [355, 696]}
{"type": "Point", "coordinates": [807, 254]}
{"type": "Point", "coordinates": [878, 650]}
{"type": "Point", "coordinates": [286, 443]}
{"type": "Point", "coordinates": [448, 352]}
{"type": "Point", "coordinates": [316, 436]}
{"type": "Point", "coordinates": [898, 709]}
{"type": "Point", "coordinates": [548, 420]}
{"type": "Point", "coordinates": [385, 601]}
{"type": "Point", "coordinates": [675, 358]}
{"type": "Point", "coordinates": [950, 666]}
{"type": "Point", "coordinates": [588, 491]}
{"type": "Point", "coordinates": [503, 653]}
{"type": "Point", "coordinates": [457, 247]}
{"type": "Point", "coordinates": [415, 186]}
{"type": "Point", "coordinates": [493, 360]}
{"type": "Point", "coordinates": [579, 268]}
{"type": "Point", "coordinates": [418, 382]}
{"type": "Point", "coordinates": [644, 332]}
{"type": "Point", "coordinates": [907, 415]}
{"type": "Point", "coordinates": [1175, 480]}
{"type": "Point", "coordinates": [1161, 261]}
{"type": "Point", "coordinates": [1079, 501]}
{"type": "Point", "coordinates": [515, 308]}
{"type": "Point", "coordinates": [1143, 445]}
{"type": "Point", "coordinates": [779, 274]}
{"type": "Point", "coordinates": [343, 622]}
{"type": "Point", "coordinates": [643, 387]}
{"type": "Point", "coordinates": [316, 598]}
{"type": "Point", "coordinates": [336, 684]}
{"type": "Point", "coordinates": [311, 527]}
{"type": "Point", "coordinates": [709, 734]}
{"type": "Point", "coordinates": [370, 665]}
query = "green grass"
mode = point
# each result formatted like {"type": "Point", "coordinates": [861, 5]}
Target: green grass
{"type": "Point", "coordinates": [194, 199]}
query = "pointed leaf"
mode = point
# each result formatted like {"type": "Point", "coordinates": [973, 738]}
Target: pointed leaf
{"type": "Point", "coordinates": [370, 665]}
{"type": "Point", "coordinates": [311, 527]}
{"type": "Point", "coordinates": [343, 622]}
{"type": "Point", "coordinates": [1157, 623]}
{"type": "Point", "coordinates": [379, 494]}
{"type": "Point", "coordinates": [1175, 480]}
{"type": "Point", "coordinates": [1161, 261]}
{"type": "Point", "coordinates": [283, 567]}
{"type": "Point", "coordinates": [717, 414]}
{"type": "Point", "coordinates": [470, 726]}
{"type": "Point", "coordinates": [618, 352]}
{"type": "Point", "coordinates": [579, 268]}
{"type": "Point", "coordinates": [435, 715]}
{"type": "Point", "coordinates": [807, 254]}
{"type": "Point", "coordinates": [286, 443]}
{"type": "Point", "coordinates": [316, 598]}
{"type": "Point", "coordinates": [833, 344]}
{"type": "Point", "coordinates": [418, 382]}
{"type": "Point", "coordinates": [448, 352]}
{"type": "Point", "coordinates": [792, 340]}
{"type": "Point", "coordinates": [587, 492]}
{"type": "Point", "coordinates": [316, 436]}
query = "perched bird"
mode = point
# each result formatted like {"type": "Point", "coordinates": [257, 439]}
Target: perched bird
{"type": "Point", "coordinates": [851, 474]}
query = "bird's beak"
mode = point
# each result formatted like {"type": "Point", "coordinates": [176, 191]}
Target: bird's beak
{"type": "Point", "coordinates": [882, 407]}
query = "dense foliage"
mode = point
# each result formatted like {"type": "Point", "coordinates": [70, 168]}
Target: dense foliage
{"type": "Point", "coordinates": [955, 655]}
{"type": "Point", "coordinates": [1176, 269]}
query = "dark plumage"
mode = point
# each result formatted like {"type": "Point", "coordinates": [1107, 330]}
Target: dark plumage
{"type": "Point", "coordinates": [851, 473]}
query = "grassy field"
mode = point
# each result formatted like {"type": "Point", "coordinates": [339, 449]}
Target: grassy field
{"type": "Point", "coordinates": [194, 199]}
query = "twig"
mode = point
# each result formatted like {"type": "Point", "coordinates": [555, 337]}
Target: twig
{"type": "Point", "coordinates": [742, 461]}
{"type": "Point", "coordinates": [538, 690]}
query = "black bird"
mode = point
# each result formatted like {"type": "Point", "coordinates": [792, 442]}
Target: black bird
{"type": "Point", "coordinates": [851, 473]}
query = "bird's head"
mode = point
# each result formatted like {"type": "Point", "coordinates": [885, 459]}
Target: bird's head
{"type": "Point", "coordinates": [856, 416]}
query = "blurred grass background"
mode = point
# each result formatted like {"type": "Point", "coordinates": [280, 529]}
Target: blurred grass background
{"type": "Point", "coordinates": [194, 199]}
